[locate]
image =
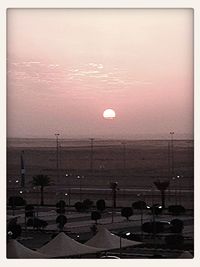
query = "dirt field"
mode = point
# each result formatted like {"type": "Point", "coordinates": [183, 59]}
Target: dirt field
{"type": "Point", "coordinates": [134, 165]}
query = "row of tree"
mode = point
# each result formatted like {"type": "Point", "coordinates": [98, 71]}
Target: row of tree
{"type": "Point", "coordinates": [43, 181]}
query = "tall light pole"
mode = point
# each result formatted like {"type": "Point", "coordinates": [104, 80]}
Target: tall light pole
{"type": "Point", "coordinates": [124, 155]}
{"type": "Point", "coordinates": [114, 187]}
{"type": "Point", "coordinates": [69, 189]}
{"type": "Point", "coordinates": [172, 153]}
{"type": "Point", "coordinates": [57, 155]}
{"type": "Point", "coordinates": [172, 160]}
{"type": "Point", "coordinates": [91, 153]}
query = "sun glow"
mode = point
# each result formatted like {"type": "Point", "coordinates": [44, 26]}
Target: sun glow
{"type": "Point", "coordinates": [109, 114]}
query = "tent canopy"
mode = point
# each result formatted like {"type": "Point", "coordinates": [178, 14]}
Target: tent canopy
{"type": "Point", "coordinates": [186, 255]}
{"type": "Point", "coordinates": [105, 239]}
{"type": "Point", "coordinates": [64, 246]}
{"type": "Point", "coordinates": [15, 250]}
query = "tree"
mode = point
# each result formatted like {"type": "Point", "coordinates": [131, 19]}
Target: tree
{"type": "Point", "coordinates": [87, 203]}
{"type": "Point", "coordinates": [61, 220]}
{"type": "Point", "coordinates": [42, 181]}
{"type": "Point", "coordinates": [162, 186]}
{"type": "Point", "coordinates": [101, 205]}
{"type": "Point", "coordinates": [95, 215]}
{"type": "Point", "coordinates": [36, 223]}
{"type": "Point", "coordinates": [61, 207]}
{"type": "Point", "coordinates": [127, 212]}
{"type": "Point", "coordinates": [114, 187]}
{"type": "Point", "coordinates": [79, 206]}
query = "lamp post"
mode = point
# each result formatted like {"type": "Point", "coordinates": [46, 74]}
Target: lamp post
{"type": "Point", "coordinates": [172, 153]}
{"type": "Point", "coordinates": [124, 155]}
{"type": "Point", "coordinates": [80, 185]}
{"type": "Point", "coordinates": [69, 190]}
{"type": "Point", "coordinates": [114, 187]}
{"type": "Point", "coordinates": [91, 153]}
{"type": "Point", "coordinates": [57, 155]}
{"type": "Point", "coordinates": [141, 198]}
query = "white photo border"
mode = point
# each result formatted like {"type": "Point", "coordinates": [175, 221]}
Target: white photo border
{"type": "Point", "coordinates": [195, 4]}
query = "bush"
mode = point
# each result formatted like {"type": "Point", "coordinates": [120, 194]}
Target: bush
{"type": "Point", "coordinates": [176, 209]}
{"type": "Point", "coordinates": [95, 215]}
{"type": "Point", "coordinates": [126, 212]}
{"type": "Point", "coordinates": [87, 203]}
{"type": "Point", "coordinates": [138, 205]}
{"type": "Point", "coordinates": [16, 201]}
{"type": "Point", "coordinates": [176, 226]}
{"type": "Point", "coordinates": [174, 241]}
{"type": "Point", "coordinates": [101, 205]}
{"type": "Point", "coordinates": [36, 223]}
{"type": "Point", "coordinates": [79, 206]}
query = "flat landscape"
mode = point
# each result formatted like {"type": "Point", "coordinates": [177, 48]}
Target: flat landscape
{"type": "Point", "coordinates": [87, 172]}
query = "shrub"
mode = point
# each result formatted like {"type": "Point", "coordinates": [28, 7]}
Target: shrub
{"type": "Point", "coordinates": [126, 212]}
{"type": "Point", "coordinates": [79, 206]}
{"type": "Point", "coordinates": [95, 215]}
{"type": "Point", "coordinates": [87, 203]}
{"type": "Point", "coordinates": [36, 223]}
{"type": "Point", "coordinates": [101, 205]}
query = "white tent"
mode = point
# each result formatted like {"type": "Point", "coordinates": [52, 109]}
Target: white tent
{"type": "Point", "coordinates": [186, 255]}
{"type": "Point", "coordinates": [15, 250]}
{"type": "Point", "coordinates": [64, 246]}
{"type": "Point", "coordinates": [105, 239]}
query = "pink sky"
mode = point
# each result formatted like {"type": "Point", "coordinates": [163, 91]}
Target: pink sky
{"type": "Point", "coordinates": [66, 66]}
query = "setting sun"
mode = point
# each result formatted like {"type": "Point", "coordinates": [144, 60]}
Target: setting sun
{"type": "Point", "coordinates": [109, 114]}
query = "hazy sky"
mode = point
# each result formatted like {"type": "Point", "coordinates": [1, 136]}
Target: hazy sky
{"type": "Point", "coordinates": [66, 66]}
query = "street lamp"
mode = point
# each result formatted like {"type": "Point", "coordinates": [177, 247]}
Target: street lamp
{"type": "Point", "coordinates": [141, 198]}
{"type": "Point", "coordinates": [57, 155]}
{"type": "Point", "coordinates": [69, 189]}
{"type": "Point", "coordinates": [91, 153]}
{"type": "Point", "coordinates": [124, 155]}
{"type": "Point", "coordinates": [114, 187]}
{"type": "Point", "coordinates": [80, 185]}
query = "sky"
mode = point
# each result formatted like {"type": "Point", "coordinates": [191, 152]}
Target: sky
{"type": "Point", "coordinates": [66, 66]}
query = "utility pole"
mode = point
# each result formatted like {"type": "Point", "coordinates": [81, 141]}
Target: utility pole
{"type": "Point", "coordinates": [57, 156]}
{"type": "Point", "coordinates": [91, 153]}
{"type": "Point", "coordinates": [124, 155]}
{"type": "Point", "coordinates": [172, 153]}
